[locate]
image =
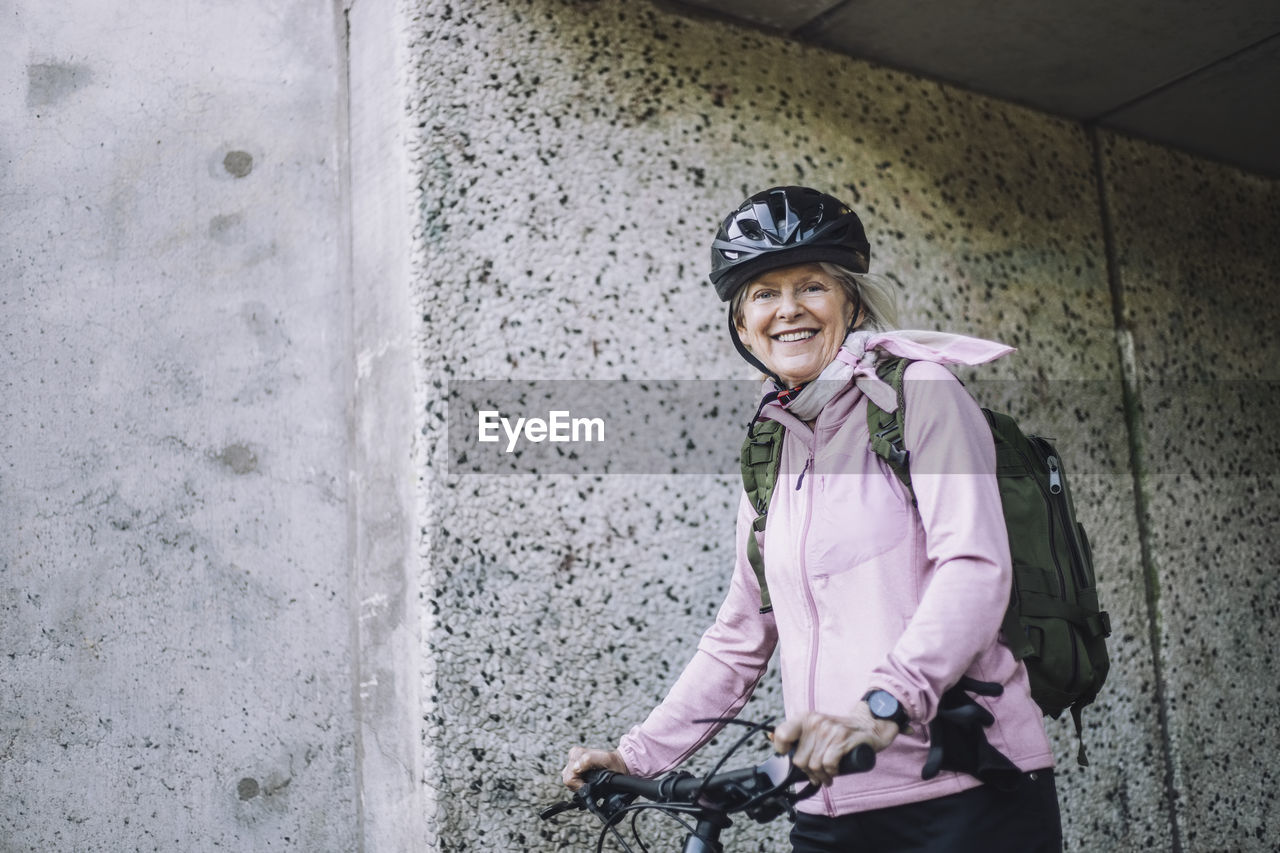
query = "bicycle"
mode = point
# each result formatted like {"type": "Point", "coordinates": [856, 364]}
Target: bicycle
{"type": "Point", "coordinates": [763, 793]}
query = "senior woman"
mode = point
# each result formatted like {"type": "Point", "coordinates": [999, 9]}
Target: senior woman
{"type": "Point", "coordinates": [884, 611]}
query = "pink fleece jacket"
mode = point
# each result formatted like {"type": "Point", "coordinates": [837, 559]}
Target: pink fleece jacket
{"type": "Point", "coordinates": [868, 592]}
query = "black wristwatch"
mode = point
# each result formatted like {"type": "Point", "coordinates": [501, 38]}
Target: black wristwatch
{"type": "Point", "coordinates": [885, 707]}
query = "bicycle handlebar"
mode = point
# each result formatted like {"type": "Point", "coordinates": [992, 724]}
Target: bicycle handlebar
{"type": "Point", "coordinates": [773, 774]}
{"type": "Point", "coordinates": [763, 792]}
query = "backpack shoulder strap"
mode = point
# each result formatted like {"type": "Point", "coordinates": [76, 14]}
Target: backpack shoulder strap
{"type": "Point", "coordinates": [761, 457]}
{"type": "Point", "coordinates": [887, 429]}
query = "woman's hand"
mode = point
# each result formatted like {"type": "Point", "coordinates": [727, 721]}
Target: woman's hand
{"type": "Point", "coordinates": [821, 740]}
{"type": "Point", "coordinates": [582, 759]}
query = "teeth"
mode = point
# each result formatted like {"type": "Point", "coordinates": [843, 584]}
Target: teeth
{"type": "Point", "coordinates": [788, 337]}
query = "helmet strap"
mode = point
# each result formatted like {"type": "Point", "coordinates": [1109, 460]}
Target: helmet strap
{"type": "Point", "coordinates": [747, 354]}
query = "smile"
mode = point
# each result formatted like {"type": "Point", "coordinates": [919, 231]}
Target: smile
{"type": "Point", "coordinates": [790, 337]}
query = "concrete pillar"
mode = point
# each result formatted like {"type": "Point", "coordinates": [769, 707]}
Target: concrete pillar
{"type": "Point", "coordinates": [175, 595]}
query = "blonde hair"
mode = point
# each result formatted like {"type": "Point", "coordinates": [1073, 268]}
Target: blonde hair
{"type": "Point", "coordinates": [874, 293]}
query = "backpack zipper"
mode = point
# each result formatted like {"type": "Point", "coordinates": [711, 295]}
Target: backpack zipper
{"type": "Point", "coordinates": [1062, 581]}
{"type": "Point", "coordinates": [1055, 478]}
{"type": "Point", "coordinates": [1057, 500]}
{"type": "Point", "coordinates": [1062, 584]}
{"type": "Point", "coordinates": [1053, 499]}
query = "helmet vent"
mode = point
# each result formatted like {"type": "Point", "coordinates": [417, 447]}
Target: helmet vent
{"type": "Point", "coordinates": [810, 221]}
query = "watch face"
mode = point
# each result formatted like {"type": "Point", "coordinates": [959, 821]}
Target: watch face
{"type": "Point", "coordinates": [882, 704]}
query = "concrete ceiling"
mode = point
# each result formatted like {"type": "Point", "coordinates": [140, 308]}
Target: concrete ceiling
{"type": "Point", "coordinates": [1200, 76]}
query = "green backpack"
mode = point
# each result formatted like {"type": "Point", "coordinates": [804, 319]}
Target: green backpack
{"type": "Point", "coordinates": [1053, 623]}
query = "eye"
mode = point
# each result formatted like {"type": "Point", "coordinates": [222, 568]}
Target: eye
{"type": "Point", "coordinates": [815, 287]}
{"type": "Point", "coordinates": [761, 294]}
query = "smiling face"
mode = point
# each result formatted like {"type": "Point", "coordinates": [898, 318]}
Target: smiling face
{"type": "Point", "coordinates": [794, 319]}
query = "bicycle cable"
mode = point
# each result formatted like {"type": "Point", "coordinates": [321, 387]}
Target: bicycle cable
{"type": "Point", "coordinates": [752, 729]}
{"type": "Point", "coordinates": [670, 810]}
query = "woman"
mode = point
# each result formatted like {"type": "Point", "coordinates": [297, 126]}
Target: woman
{"type": "Point", "coordinates": [885, 613]}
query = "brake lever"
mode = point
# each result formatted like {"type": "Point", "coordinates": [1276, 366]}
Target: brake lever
{"type": "Point", "coordinates": [585, 799]}
{"type": "Point", "coordinates": [859, 760]}
{"type": "Point", "coordinates": [556, 808]}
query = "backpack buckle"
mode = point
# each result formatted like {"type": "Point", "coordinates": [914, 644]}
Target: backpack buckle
{"type": "Point", "coordinates": [897, 454]}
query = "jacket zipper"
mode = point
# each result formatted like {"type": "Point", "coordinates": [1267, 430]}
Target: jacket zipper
{"type": "Point", "coordinates": [809, 598]}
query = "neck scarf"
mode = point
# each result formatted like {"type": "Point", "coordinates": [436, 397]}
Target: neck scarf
{"type": "Point", "coordinates": [861, 350]}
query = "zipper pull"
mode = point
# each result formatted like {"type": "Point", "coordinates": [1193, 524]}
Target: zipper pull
{"type": "Point", "coordinates": [1055, 478]}
{"type": "Point", "coordinates": [800, 479]}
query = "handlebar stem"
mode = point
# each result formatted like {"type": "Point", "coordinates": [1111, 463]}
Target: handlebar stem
{"type": "Point", "coordinates": [706, 835]}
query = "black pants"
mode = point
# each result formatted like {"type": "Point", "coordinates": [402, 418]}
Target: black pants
{"type": "Point", "coordinates": [982, 819]}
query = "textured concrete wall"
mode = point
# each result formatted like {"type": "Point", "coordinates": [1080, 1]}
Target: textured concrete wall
{"type": "Point", "coordinates": [174, 586]}
{"type": "Point", "coordinates": [1196, 256]}
{"type": "Point", "coordinates": [575, 158]}
{"type": "Point", "coordinates": [248, 601]}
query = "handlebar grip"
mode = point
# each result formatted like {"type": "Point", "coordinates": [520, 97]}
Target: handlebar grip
{"type": "Point", "coordinates": [607, 781]}
{"type": "Point", "coordinates": [860, 759]}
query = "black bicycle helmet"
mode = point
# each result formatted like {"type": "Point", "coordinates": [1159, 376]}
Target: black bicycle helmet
{"type": "Point", "coordinates": [783, 226]}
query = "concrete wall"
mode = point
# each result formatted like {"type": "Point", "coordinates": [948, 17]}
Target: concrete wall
{"type": "Point", "coordinates": [175, 585]}
{"type": "Point", "coordinates": [1195, 256]}
{"type": "Point", "coordinates": [248, 599]}
{"type": "Point", "coordinates": [575, 159]}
